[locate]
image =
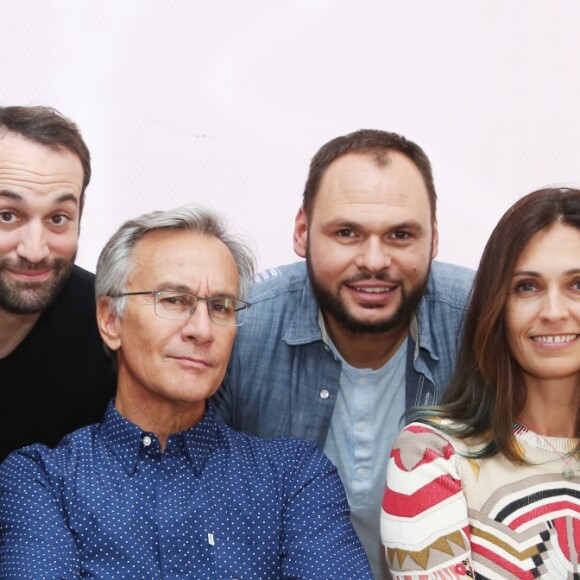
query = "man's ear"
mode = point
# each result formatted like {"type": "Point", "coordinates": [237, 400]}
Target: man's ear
{"type": "Point", "coordinates": [301, 233]}
{"type": "Point", "coordinates": [435, 249]}
{"type": "Point", "coordinates": [108, 323]}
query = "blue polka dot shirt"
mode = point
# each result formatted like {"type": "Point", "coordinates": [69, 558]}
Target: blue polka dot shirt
{"type": "Point", "coordinates": [106, 503]}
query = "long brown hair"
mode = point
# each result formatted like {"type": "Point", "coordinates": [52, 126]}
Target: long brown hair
{"type": "Point", "coordinates": [486, 393]}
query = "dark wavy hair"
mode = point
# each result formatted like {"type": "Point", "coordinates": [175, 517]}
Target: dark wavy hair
{"type": "Point", "coordinates": [367, 142]}
{"type": "Point", "coordinates": [486, 393]}
{"type": "Point", "coordinates": [48, 127]}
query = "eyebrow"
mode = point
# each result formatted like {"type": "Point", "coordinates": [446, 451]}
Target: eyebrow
{"type": "Point", "coordinates": [531, 273]}
{"type": "Point", "coordinates": [408, 225]}
{"type": "Point", "coordinates": [60, 199]}
{"type": "Point", "coordinates": [171, 287]}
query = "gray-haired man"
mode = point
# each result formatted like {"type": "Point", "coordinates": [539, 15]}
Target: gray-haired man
{"type": "Point", "coordinates": [160, 488]}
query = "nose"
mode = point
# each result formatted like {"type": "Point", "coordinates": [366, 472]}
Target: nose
{"type": "Point", "coordinates": [199, 325]}
{"type": "Point", "coordinates": [33, 244]}
{"type": "Point", "coordinates": [554, 306]}
{"type": "Point", "coordinates": [373, 256]}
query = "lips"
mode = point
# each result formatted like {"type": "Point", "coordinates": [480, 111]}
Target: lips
{"type": "Point", "coordinates": [191, 362]}
{"type": "Point", "coordinates": [30, 275]}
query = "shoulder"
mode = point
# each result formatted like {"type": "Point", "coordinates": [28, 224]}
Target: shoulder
{"type": "Point", "coordinates": [82, 281]}
{"type": "Point", "coordinates": [79, 291]}
{"type": "Point", "coordinates": [37, 463]}
{"type": "Point", "coordinates": [449, 283]}
{"type": "Point", "coordinates": [418, 439]}
{"type": "Point", "coordinates": [73, 311]}
{"type": "Point", "coordinates": [287, 453]}
{"type": "Point", "coordinates": [273, 282]}
{"type": "Point", "coordinates": [82, 277]}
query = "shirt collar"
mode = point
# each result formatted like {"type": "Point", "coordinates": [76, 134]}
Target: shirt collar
{"type": "Point", "coordinates": [303, 327]}
{"type": "Point", "coordinates": [125, 439]}
{"type": "Point", "coordinates": [202, 439]}
{"type": "Point", "coordinates": [420, 328]}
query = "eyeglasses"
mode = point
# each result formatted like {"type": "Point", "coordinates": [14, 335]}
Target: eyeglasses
{"type": "Point", "coordinates": [223, 310]}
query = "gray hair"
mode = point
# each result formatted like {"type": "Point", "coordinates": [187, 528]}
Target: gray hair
{"type": "Point", "coordinates": [115, 263]}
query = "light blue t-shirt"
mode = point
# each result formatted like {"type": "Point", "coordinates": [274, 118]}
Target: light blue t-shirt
{"type": "Point", "coordinates": [366, 420]}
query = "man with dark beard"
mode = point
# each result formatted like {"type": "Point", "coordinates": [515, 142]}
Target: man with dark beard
{"type": "Point", "coordinates": [338, 347]}
{"type": "Point", "coordinates": [55, 375]}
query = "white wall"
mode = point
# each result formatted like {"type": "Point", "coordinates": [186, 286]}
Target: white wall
{"type": "Point", "coordinates": [224, 103]}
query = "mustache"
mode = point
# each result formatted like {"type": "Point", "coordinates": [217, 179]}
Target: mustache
{"type": "Point", "coordinates": [366, 276]}
{"type": "Point", "coordinates": [24, 264]}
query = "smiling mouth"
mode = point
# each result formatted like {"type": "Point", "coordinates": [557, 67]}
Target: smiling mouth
{"type": "Point", "coordinates": [555, 339]}
{"type": "Point", "coordinates": [372, 290]}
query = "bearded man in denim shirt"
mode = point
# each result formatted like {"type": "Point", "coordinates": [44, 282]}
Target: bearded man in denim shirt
{"type": "Point", "coordinates": [339, 346]}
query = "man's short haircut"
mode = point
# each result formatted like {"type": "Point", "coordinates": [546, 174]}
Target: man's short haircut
{"type": "Point", "coordinates": [374, 143]}
{"type": "Point", "coordinates": [115, 263]}
{"type": "Point", "coordinates": [48, 127]}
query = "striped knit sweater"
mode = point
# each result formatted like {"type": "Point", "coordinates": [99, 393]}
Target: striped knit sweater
{"type": "Point", "coordinates": [447, 516]}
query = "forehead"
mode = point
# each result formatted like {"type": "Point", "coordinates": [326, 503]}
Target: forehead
{"type": "Point", "coordinates": [359, 180]}
{"type": "Point", "coordinates": [27, 165]}
{"type": "Point", "coordinates": [554, 246]}
{"type": "Point", "coordinates": [185, 258]}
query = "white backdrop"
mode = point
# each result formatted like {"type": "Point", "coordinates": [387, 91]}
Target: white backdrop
{"type": "Point", "coordinates": [223, 103]}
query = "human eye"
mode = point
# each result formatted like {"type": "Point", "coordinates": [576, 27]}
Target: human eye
{"type": "Point", "coordinates": [174, 301]}
{"type": "Point", "coordinates": [345, 233]}
{"type": "Point", "coordinates": [400, 235]}
{"type": "Point", "coordinates": [222, 305]}
{"type": "Point", "coordinates": [59, 219]}
{"type": "Point", "coordinates": [576, 285]}
{"type": "Point", "coordinates": [223, 309]}
{"type": "Point", "coordinates": [7, 216]}
{"type": "Point", "coordinates": [525, 287]}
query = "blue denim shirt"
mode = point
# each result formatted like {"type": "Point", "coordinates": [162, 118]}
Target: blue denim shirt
{"type": "Point", "coordinates": [283, 379]}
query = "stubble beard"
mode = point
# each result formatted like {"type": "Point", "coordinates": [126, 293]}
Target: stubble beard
{"type": "Point", "coordinates": [32, 297]}
{"type": "Point", "coordinates": [333, 305]}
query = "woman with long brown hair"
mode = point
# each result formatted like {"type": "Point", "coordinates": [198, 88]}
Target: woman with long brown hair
{"type": "Point", "coordinates": [487, 484]}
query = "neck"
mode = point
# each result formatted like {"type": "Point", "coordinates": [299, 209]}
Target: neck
{"type": "Point", "coordinates": [156, 415]}
{"type": "Point", "coordinates": [552, 406]}
{"type": "Point", "coordinates": [365, 350]}
{"type": "Point", "coordinates": [13, 329]}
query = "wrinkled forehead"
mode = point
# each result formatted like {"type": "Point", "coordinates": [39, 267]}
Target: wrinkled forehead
{"type": "Point", "coordinates": [185, 258]}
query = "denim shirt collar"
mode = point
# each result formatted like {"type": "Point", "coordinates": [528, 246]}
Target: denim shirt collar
{"type": "Point", "coordinates": [304, 327]}
{"type": "Point", "coordinates": [420, 330]}
{"type": "Point", "coordinates": [125, 439]}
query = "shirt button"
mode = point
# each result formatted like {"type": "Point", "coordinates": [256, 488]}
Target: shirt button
{"type": "Point", "coordinates": [324, 394]}
{"type": "Point", "coordinates": [363, 381]}
{"type": "Point", "coordinates": [361, 472]}
{"type": "Point", "coordinates": [361, 426]}
{"type": "Point", "coordinates": [146, 441]}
